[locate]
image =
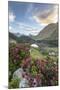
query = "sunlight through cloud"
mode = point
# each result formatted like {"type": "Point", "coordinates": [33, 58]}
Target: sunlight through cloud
{"type": "Point", "coordinates": [11, 17]}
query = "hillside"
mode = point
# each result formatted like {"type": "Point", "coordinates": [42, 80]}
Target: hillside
{"type": "Point", "coordinates": [50, 32]}
{"type": "Point", "coordinates": [12, 37]}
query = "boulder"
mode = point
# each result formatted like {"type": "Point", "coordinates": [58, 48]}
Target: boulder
{"type": "Point", "coordinates": [18, 73]}
{"type": "Point", "coordinates": [23, 83]}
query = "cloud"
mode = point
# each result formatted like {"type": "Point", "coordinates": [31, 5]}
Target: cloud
{"type": "Point", "coordinates": [27, 29]}
{"type": "Point", "coordinates": [29, 9]}
{"type": "Point", "coordinates": [10, 28]}
{"type": "Point", "coordinates": [34, 32]}
{"type": "Point", "coordinates": [12, 17]}
{"type": "Point", "coordinates": [47, 16]}
{"type": "Point", "coordinates": [25, 26]}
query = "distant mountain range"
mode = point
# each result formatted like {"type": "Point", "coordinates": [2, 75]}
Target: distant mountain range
{"type": "Point", "coordinates": [17, 34]}
{"type": "Point", "coordinates": [20, 38]}
{"type": "Point", "coordinates": [48, 35]}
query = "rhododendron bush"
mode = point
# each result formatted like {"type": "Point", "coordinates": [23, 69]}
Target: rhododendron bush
{"type": "Point", "coordinates": [16, 54]}
{"type": "Point", "coordinates": [38, 72]}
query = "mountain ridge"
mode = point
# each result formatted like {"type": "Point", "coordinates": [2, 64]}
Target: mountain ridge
{"type": "Point", "coordinates": [50, 32]}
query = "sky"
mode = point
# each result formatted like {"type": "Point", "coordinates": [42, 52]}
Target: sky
{"type": "Point", "coordinates": [30, 18]}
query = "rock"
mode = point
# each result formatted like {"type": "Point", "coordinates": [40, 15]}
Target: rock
{"type": "Point", "coordinates": [18, 73]}
{"type": "Point", "coordinates": [23, 83]}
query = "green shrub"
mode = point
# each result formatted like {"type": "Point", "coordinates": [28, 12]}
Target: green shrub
{"type": "Point", "coordinates": [14, 83]}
